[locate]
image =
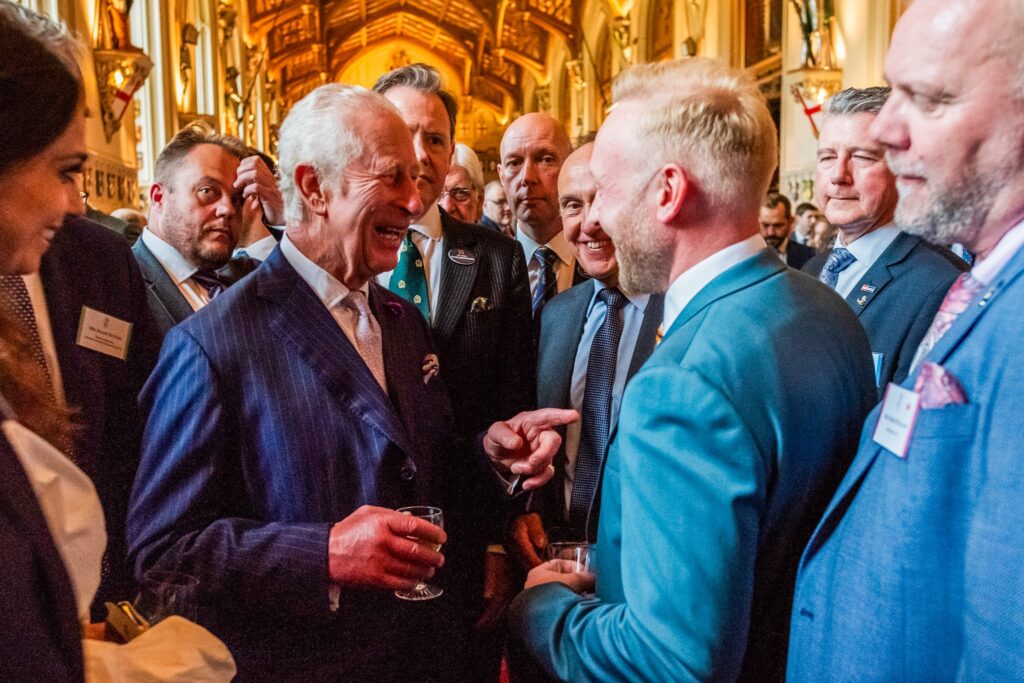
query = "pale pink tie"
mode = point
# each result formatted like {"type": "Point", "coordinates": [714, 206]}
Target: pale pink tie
{"type": "Point", "coordinates": [959, 296]}
{"type": "Point", "coordinates": [368, 339]}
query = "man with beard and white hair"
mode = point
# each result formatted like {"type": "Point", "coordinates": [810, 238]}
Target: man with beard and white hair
{"type": "Point", "coordinates": [915, 572]}
{"type": "Point", "coordinates": [728, 446]}
{"type": "Point", "coordinates": [200, 182]}
{"type": "Point", "coordinates": [532, 151]}
{"type": "Point", "coordinates": [892, 280]}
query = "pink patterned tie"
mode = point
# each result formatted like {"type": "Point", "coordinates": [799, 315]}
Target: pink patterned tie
{"type": "Point", "coordinates": [959, 296]}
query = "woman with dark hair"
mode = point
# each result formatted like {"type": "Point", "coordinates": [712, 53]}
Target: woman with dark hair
{"type": "Point", "coordinates": [42, 149]}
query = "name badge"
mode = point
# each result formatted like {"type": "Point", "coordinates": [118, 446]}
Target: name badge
{"type": "Point", "coordinates": [103, 333]}
{"type": "Point", "coordinates": [896, 422]}
{"type": "Point", "coordinates": [461, 257]}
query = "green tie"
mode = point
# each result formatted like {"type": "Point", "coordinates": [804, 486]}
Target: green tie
{"type": "Point", "coordinates": [409, 279]}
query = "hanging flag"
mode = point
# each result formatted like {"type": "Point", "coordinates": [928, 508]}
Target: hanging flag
{"type": "Point", "coordinates": [809, 112]}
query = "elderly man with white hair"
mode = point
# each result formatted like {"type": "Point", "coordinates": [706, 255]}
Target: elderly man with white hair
{"type": "Point", "coordinates": [463, 194]}
{"type": "Point", "coordinates": [290, 418]}
{"type": "Point", "coordinates": [727, 447]}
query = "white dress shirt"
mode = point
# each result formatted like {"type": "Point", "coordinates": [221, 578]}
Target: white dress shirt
{"type": "Point", "coordinates": [632, 320]}
{"type": "Point", "coordinates": [178, 268]}
{"type": "Point", "coordinates": [689, 284]}
{"type": "Point", "coordinates": [41, 312]}
{"type": "Point", "coordinates": [427, 236]}
{"type": "Point", "coordinates": [563, 267]}
{"type": "Point", "coordinates": [260, 249]}
{"type": "Point", "coordinates": [866, 249]}
{"type": "Point", "coordinates": [986, 270]}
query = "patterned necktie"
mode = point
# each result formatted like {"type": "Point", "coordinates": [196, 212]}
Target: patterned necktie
{"type": "Point", "coordinates": [17, 302]}
{"type": "Point", "coordinates": [547, 284]}
{"type": "Point", "coordinates": [838, 261]}
{"type": "Point", "coordinates": [210, 281]}
{"type": "Point", "coordinates": [409, 279]}
{"type": "Point", "coordinates": [960, 295]}
{"type": "Point", "coordinates": [368, 339]}
{"type": "Point", "coordinates": [597, 409]}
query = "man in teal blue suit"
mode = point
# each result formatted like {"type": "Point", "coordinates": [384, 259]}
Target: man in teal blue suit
{"type": "Point", "coordinates": [728, 445]}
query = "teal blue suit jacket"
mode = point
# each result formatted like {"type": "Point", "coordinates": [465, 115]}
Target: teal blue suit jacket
{"type": "Point", "coordinates": [727, 450]}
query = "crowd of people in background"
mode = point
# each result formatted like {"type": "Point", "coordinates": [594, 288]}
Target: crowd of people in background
{"type": "Point", "coordinates": [789, 435]}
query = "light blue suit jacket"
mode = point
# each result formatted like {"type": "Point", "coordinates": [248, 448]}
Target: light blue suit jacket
{"type": "Point", "coordinates": [916, 572]}
{"type": "Point", "coordinates": [728, 448]}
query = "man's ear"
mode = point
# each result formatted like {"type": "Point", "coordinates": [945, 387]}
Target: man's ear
{"type": "Point", "coordinates": [308, 185]}
{"type": "Point", "coordinates": [157, 192]}
{"type": "Point", "coordinates": [670, 186]}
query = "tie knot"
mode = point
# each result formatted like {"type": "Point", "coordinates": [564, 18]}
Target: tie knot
{"type": "Point", "coordinates": [356, 301]}
{"type": "Point", "coordinates": [546, 256]}
{"type": "Point", "coordinates": [612, 298]}
{"type": "Point", "coordinates": [840, 258]}
{"type": "Point", "coordinates": [210, 281]}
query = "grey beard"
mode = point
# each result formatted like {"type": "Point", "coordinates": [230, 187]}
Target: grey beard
{"type": "Point", "coordinates": [953, 216]}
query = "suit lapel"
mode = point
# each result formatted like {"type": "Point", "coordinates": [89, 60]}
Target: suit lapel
{"type": "Point", "coordinates": [160, 285]}
{"type": "Point", "coordinates": [744, 274]}
{"type": "Point", "coordinates": [653, 315]}
{"type": "Point", "coordinates": [456, 279]}
{"type": "Point", "coordinates": [302, 321]}
{"type": "Point", "coordinates": [880, 272]}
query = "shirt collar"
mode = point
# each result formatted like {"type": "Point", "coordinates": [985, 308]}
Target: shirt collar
{"type": "Point", "coordinates": [429, 224]}
{"type": "Point", "coordinates": [986, 270]}
{"type": "Point", "coordinates": [557, 244]}
{"type": "Point", "coordinates": [328, 288]}
{"type": "Point", "coordinates": [867, 248]}
{"type": "Point", "coordinates": [690, 283]}
{"type": "Point", "coordinates": [176, 265]}
{"type": "Point", "coordinates": [637, 300]}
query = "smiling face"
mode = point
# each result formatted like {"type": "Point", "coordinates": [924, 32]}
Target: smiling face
{"type": "Point", "coordinates": [428, 122]}
{"type": "Point", "coordinates": [952, 126]}
{"type": "Point", "coordinates": [852, 183]}
{"type": "Point", "coordinates": [367, 217]}
{"type": "Point", "coordinates": [198, 211]}
{"type": "Point", "coordinates": [36, 195]}
{"type": "Point", "coordinates": [576, 190]}
{"type": "Point", "coordinates": [532, 151]}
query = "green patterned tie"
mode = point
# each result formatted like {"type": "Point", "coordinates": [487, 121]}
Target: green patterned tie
{"type": "Point", "coordinates": [409, 279]}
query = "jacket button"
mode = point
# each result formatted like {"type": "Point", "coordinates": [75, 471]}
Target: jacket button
{"type": "Point", "coordinates": [407, 473]}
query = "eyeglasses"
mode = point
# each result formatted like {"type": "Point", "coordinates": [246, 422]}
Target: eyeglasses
{"type": "Point", "coordinates": [497, 202]}
{"type": "Point", "coordinates": [459, 194]}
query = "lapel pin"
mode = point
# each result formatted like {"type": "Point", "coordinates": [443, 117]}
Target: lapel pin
{"type": "Point", "coordinates": [461, 257]}
{"type": "Point", "coordinates": [861, 301]}
{"type": "Point", "coordinates": [867, 288]}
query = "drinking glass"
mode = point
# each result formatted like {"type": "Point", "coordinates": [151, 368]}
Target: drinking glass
{"type": "Point", "coordinates": [575, 552]}
{"type": "Point", "coordinates": [423, 590]}
{"type": "Point", "coordinates": [163, 593]}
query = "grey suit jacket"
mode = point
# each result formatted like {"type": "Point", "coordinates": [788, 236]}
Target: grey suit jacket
{"type": "Point", "coordinates": [897, 299]}
{"type": "Point", "coordinates": [561, 331]}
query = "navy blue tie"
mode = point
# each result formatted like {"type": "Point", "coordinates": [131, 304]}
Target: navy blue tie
{"type": "Point", "coordinates": [547, 286]}
{"type": "Point", "coordinates": [838, 261]}
{"type": "Point", "coordinates": [597, 410]}
{"type": "Point", "coordinates": [210, 281]}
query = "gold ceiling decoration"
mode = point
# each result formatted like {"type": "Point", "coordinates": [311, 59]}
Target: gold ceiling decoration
{"type": "Point", "coordinates": [491, 43]}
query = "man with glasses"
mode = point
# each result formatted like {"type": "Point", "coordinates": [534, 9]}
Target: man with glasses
{"type": "Point", "coordinates": [497, 212]}
{"type": "Point", "coordinates": [463, 194]}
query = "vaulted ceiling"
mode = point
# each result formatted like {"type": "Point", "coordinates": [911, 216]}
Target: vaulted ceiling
{"type": "Point", "coordinates": [490, 43]}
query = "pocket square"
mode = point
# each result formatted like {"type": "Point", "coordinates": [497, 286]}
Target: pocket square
{"type": "Point", "coordinates": [431, 367]}
{"type": "Point", "coordinates": [938, 387]}
{"type": "Point", "coordinates": [481, 303]}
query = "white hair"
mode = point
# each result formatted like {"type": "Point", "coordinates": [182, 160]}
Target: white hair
{"type": "Point", "coordinates": [320, 132]}
{"type": "Point", "coordinates": [712, 118]}
{"type": "Point", "coordinates": [467, 159]}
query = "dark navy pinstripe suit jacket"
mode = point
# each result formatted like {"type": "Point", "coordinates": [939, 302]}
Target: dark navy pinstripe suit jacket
{"type": "Point", "coordinates": [264, 428]}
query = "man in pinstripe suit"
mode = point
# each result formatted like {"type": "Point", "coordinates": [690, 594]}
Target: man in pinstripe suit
{"type": "Point", "coordinates": [291, 416]}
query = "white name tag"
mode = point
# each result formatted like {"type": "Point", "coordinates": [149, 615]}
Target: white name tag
{"type": "Point", "coordinates": [896, 422]}
{"type": "Point", "coordinates": [104, 333]}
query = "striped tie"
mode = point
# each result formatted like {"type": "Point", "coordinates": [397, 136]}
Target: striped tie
{"type": "Point", "coordinates": [547, 284]}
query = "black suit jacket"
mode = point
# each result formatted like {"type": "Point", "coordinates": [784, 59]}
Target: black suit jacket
{"type": "Point", "coordinates": [166, 302]}
{"type": "Point", "coordinates": [798, 254]}
{"type": "Point", "coordinates": [88, 265]}
{"type": "Point", "coordinates": [40, 639]}
{"type": "Point", "coordinates": [482, 326]}
{"type": "Point", "coordinates": [561, 331]}
{"type": "Point", "coordinates": [898, 297]}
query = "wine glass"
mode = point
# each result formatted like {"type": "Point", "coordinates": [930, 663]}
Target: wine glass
{"type": "Point", "coordinates": [163, 593]}
{"type": "Point", "coordinates": [574, 556]}
{"type": "Point", "coordinates": [423, 590]}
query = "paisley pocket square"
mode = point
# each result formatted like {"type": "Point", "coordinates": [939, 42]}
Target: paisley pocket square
{"type": "Point", "coordinates": [938, 387]}
{"type": "Point", "coordinates": [481, 303]}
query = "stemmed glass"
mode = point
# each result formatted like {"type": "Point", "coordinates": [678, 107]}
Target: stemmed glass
{"type": "Point", "coordinates": [423, 590]}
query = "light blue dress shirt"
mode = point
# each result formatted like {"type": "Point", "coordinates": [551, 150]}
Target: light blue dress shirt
{"type": "Point", "coordinates": [632, 319]}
